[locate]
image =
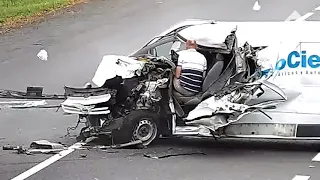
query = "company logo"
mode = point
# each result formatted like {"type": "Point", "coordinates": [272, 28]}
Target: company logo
{"type": "Point", "coordinates": [296, 59]}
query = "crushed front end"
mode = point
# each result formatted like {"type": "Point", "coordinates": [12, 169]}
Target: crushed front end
{"type": "Point", "coordinates": [104, 109]}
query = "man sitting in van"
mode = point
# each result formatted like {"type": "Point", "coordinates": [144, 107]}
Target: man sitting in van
{"type": "Point", "coordinates": [190, 71]}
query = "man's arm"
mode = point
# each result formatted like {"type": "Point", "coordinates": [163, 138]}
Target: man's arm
{"type": "Point", "coordinates": [204, 67]}
{"type": "Point", "coordinates": [178, 71]}
{"type": "Point", "coordinates": [204, 74]}
{"type": "Point", "coordinates": [179, 65]}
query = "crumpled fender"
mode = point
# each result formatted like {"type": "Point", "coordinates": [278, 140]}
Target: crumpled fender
{"type": "Point", "coordinates": [212, 106]}
{"type": "Point", "coordinates": [113, 65]}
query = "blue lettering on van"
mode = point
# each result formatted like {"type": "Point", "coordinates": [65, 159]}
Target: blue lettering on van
{"type": "Point", "coordinates": [296, 59]}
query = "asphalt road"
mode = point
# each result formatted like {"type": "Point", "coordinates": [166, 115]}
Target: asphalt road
{"type": "Point", "coordinates": [76, 42]}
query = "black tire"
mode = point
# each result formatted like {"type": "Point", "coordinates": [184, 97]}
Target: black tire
{"type": "Point", "coordinates": [132, 123]}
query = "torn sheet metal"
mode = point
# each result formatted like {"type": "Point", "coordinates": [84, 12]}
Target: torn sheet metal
{"type": "Point", "coordinates": [213, 123]}
{"type": "Point", "coordinates": [215, 105]}
{"type": "Point", "coordinates": [31, 93]}
{"type": "Point", "coordinates": [22, 104]}
{"type": "Point", "coordinates": [45, 144]}
{"type": "Point", "coordinates": [86, 105]}
{"type": "Point", "coordinates": [117, 65]}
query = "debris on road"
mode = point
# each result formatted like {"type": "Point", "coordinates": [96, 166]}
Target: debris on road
{"type": "Point", "coordinates": [133, 143]}
{"type": "Point", "coordinates": [45, 144]}
{"type": "Point", "coordinates": [118, 146]}
{"type": "Point", "coordinates": [110, 152]}
{"type": "Point", "coordinates": [8, 147]}
{"type": "Point", "coordinates": [19, 149]}
{"type": "Point", "coordinates": [43, 55]}
{"type": "Point", "coordinates": [22, 104]}
{"type": "Point", "coordinates": [172, 155]}
{"type": "Point", "coordinates": [37, 147]}
{"type": "Point", "coordinates": [83, 155]}
{"type": "Point", "coordinates": [45, 147]}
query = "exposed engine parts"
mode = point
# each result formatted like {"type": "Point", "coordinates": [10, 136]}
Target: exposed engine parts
{"type": "Point", "coordinates": [137, 100]}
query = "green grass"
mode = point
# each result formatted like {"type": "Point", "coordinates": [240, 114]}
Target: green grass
{"type": "Point", "coordinates": [13, 10]}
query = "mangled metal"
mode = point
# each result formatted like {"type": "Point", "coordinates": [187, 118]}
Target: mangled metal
{"type": "Point", "coordinates": [37, 147]}
{"type": "Point", "coordinates": [143, 83]}
{"type": "Point", "coordinates": [133, 98]}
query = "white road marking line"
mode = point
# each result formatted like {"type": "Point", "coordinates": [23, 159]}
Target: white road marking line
{"type": "Point", "coordinates": [293, 16]}
{"type": "Point", "coordinates": [48, 162]}
{"type": "Point", "coordinates": [306, 16]}
{"type": "Point", "coordinates": [317, 157]}
{"type": "Point", "coordinates": [317, 8]}
{"type": "Point", "coordinates": [301, 177]}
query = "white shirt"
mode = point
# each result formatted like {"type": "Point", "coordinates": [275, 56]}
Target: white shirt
{"type": "Point", "coordinates": [193, 64]}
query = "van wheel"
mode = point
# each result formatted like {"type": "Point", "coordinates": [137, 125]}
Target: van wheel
{"type": "Point", "coordinates": [138, 125]}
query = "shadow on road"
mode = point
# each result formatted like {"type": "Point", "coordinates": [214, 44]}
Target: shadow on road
{"type": "Point", "coordinates": [249, 144]}
{"type": "Point", "coordinates": [229, 144]}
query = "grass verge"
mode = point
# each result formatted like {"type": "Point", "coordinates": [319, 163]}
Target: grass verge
{"type": "Point", "coordinates": [14, 13]}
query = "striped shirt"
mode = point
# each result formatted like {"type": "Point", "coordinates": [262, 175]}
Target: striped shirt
{"type": "Point", "coordinates": [193, 64]}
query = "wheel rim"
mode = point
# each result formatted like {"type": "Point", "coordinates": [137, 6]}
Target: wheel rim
{"type": "Point", "coordinates": [146, 131]}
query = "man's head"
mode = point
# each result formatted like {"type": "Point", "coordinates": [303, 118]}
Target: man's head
{"type": "Point", "coordinates": [191, 44]}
